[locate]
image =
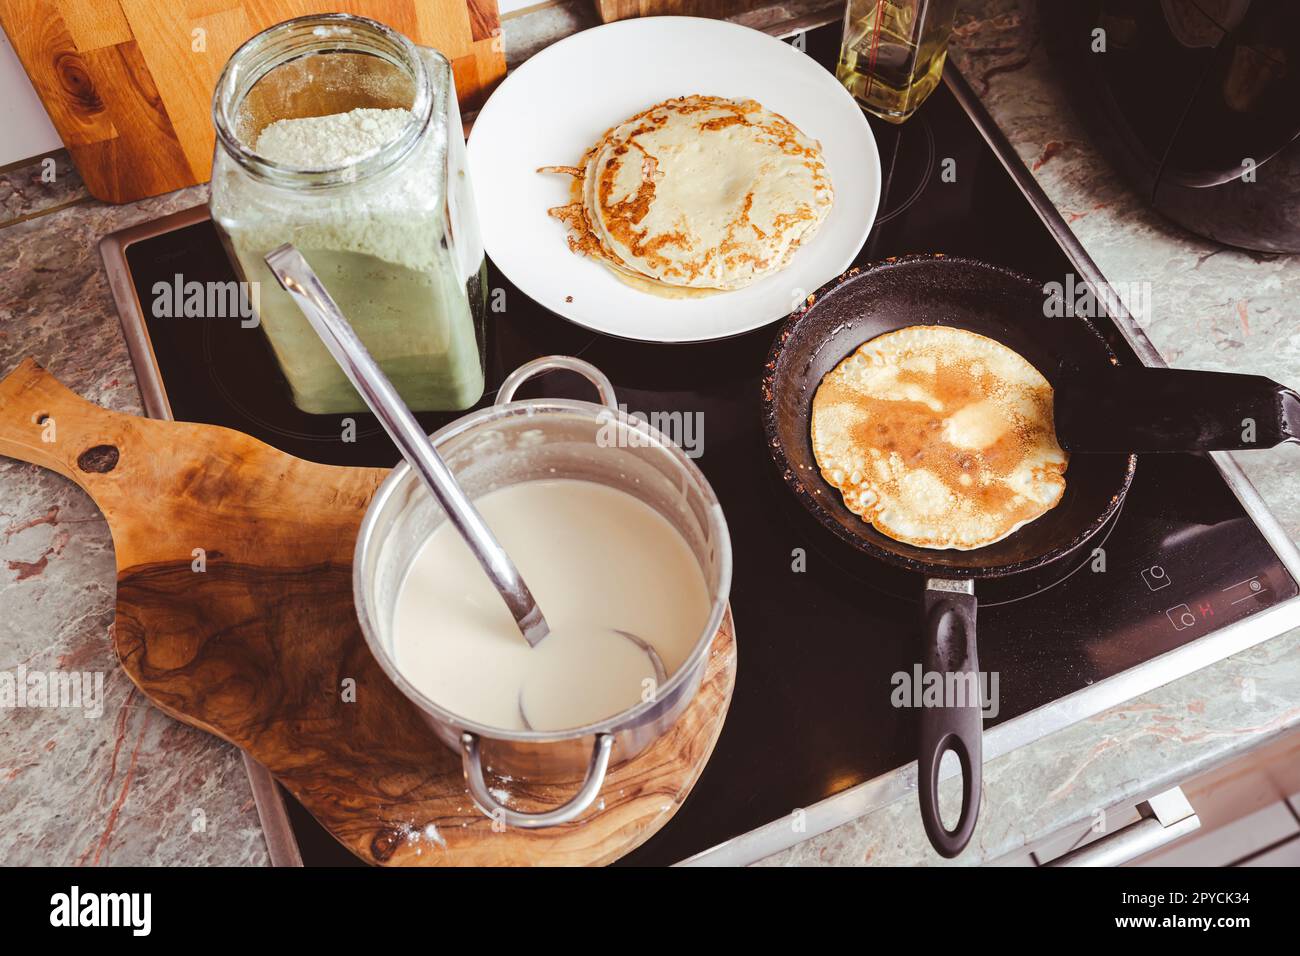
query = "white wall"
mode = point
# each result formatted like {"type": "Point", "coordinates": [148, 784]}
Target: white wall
{"type": "Point", "coordinates": [25, 128]}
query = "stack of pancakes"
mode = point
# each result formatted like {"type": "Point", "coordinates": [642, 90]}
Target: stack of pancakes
{"type": "Point", "coordinates": [697, 193]}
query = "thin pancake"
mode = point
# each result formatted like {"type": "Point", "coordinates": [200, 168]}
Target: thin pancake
{"type": "Point", "coordinates": [698, 192]}
{"type": "Point", "coordinates": [939, 437]}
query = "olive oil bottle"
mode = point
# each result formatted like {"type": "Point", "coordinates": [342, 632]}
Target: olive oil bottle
{"type": "Point", "coordinates": [893, 51]}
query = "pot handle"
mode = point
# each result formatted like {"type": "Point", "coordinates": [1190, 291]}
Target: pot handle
{"type": "Point", "coordinates": [472, 764]}
{"type": "Point", "coordinates": [950, 649]}
{"type": "Point", "coordinates": [549, 363]}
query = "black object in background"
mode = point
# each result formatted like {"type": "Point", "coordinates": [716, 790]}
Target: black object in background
{"type": "Point", "coordinates": [1195, 103]}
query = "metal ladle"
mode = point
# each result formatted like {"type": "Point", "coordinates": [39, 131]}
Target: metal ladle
{"type": "Point", "coordinates": [298, 279]}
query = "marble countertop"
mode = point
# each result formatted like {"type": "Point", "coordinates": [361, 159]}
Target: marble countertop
{"type": "Point", "coordinates": [133, 786]}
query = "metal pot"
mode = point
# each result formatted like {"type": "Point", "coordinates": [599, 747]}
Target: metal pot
{"type": "Point", "coordinates": [514, 442]}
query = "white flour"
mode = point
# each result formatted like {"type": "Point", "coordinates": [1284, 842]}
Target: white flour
{"type": "Point", "coordinates": [377, 242]}
{"type": "Point", "coordinates": [327, 142]}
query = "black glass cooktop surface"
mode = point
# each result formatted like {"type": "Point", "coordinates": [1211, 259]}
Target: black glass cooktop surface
{"type": "Point", "coordinates": [818, 647]}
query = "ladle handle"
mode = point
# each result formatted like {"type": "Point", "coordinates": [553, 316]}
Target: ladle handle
{"type": "Point", "coordinates": [298, 279]}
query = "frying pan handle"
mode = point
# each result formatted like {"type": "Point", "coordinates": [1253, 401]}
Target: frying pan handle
{"type": "Point", "coordinates": [956, 723]}
{"type": "Point", "coordinates": [1137, 409]}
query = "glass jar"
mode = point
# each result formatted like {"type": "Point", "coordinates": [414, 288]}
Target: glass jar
{"type": "Point", "coordinates": [393, 235]}
{"type": "Point", "coordinates": [893, 51]}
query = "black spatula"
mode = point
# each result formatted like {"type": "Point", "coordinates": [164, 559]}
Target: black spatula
{"type": "Point", "coordinates": [1138, 409]}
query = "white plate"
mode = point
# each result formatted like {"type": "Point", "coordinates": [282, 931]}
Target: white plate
{"type": "Point", "coordinates": [549, 112]}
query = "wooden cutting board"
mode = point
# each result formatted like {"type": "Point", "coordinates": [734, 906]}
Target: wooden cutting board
{"type": "Point", "coordinates": [128, 83]}
{"type": "Point", "coordinates": [235, 615]}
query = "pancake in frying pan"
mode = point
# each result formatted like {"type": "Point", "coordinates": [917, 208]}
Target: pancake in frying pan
{"type": "Point", "coordinates": [939, 437]}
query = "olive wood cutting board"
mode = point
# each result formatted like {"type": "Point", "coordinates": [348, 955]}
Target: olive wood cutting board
{"type": "Point", "coordinates": [128, 83]}
{"type": "Point", "coordinates": [235, 615]}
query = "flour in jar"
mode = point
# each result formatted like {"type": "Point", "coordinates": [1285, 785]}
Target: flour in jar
{"type": "Point", "coordinates": [597, 559]}
{"type": "Point", "coordinates": [328, 142]}
{"type": "Point", "coordinates": [381, 243]}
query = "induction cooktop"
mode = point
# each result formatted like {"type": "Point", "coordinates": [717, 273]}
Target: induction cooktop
{"type": "Point", "coordinates": [1190, 562]}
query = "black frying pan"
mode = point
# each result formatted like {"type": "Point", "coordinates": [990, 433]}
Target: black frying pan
{"type": "Point", "coordinates": [934, 290]}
